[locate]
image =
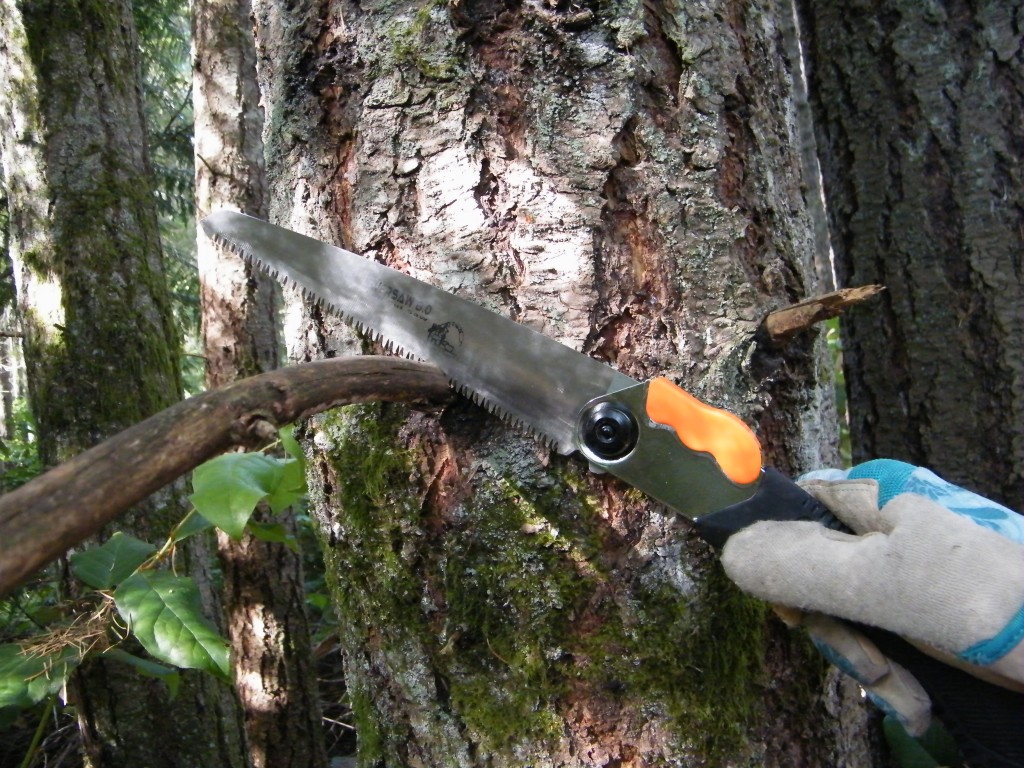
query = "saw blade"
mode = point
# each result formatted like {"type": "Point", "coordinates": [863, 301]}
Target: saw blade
{"type": "Point", "coordinates": [529, 379]}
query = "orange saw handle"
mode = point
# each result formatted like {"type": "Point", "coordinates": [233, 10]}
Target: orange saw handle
{"type": "Point", "coordinates": [705, 429]}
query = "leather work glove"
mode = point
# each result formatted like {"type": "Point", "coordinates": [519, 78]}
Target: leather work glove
{"type": "Point", "coordinates": [930, 561]}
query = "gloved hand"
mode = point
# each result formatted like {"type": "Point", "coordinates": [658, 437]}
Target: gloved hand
{"type": "Point", "coordinates": [932, 562]}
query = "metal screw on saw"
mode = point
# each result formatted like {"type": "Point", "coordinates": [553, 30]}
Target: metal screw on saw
{"type": "Point", "coordinates": [609, 430]}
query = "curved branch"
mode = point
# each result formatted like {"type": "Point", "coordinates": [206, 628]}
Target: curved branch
{"type": "Point", "coordinates": [43, 518]}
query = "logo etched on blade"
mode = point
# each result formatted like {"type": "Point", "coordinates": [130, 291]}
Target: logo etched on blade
{"type": "Point", "coordinates": [446, 336]}
{"type": "Point", "coordinates": [404, 301]}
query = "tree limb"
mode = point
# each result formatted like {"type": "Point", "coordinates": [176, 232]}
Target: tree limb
{"type": "Point", "coordinates": [43, 518]}
{"type": "Point", "coordinates": [797, 317]}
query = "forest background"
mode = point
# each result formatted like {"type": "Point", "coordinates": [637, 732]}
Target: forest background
{"type": "Point", "coordinates": [687, 168]}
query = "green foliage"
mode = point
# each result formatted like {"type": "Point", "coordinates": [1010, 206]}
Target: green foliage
{"type": "Point", "coordinates": [164, 44]}
{"type": "Point", "coordinates": [19, 453]}
{"type": "Point", "coordinates": [126, 591]}
{"type": "Point", "coordinates": [27, 677]}
{"type": "Point", "coordinates": [163, 611]}
{"type": "Point", "coordinates": [227, 489]}
{"type": "Point", "coordinates": [178, 237]}
{"type": "Point", "coordinates": [164, 41]}
{"type": "Point", "coordinates": [106, 566]}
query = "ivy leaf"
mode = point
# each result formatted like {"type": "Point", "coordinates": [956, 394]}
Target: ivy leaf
{"type": "Point", "coordinates": [104, 566]}
{"type": "Point", "coordinates": [171, 677]}
{"type": "Point", "coordinates": [274, 533]}
{"type": "Point", "coordinates": [227, 489]}
{"type": "Point", "coordinates": [291, 485]}
{"type": "Point", "coordinates": [290, 444]}
{"type": "Point", "coordinates": [28, 678]}
{"type": "Point", "coordinates": [193, 524]}
{"type": "Point", "coordinates": [163, 612]}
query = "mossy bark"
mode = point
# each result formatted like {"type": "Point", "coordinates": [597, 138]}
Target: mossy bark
{"type": "Point", "coordinates": [100, 346]}
{"type": "Point", "coordinates": [624, 177]}
{"type": "Point", "coordinates": [920, 106]}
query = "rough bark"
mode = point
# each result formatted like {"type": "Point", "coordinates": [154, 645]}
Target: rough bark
{"type": "Point", "coordinates": [622, 177]}
{"type": "Point", "coordinates": [920, 107]}
{"type": "Point", "coordinates": [100, 345]}
{"type": "Point", "coordinates": [264, 586]}
{"type": "Point", "coordinates": [239, 322]}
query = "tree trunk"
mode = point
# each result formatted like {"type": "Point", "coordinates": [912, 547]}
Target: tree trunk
{"type": "Point", "coordinates": [622, 177]}
{"type": "Point", "coordinates": [100, 346]}
{"type": "Point", "coordinates": [264, 595]}
{"type": "Point", "coordinates": [12, 363]}
{"type": "Point", "coordinates": [919, 109]}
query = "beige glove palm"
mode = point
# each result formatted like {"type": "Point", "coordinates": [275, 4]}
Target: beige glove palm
{"type": "Point", "coordinates": [913, 567]}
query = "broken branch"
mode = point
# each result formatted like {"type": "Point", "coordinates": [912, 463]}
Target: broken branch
{"type": "Point", "coordinates": [797, 317]}
{"type": "Point", "coordinates": [43, 518]}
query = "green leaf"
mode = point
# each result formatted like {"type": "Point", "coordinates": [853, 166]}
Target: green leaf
{"type": "Point", "coordinates": [274, 533]}
{"type": "Point", "coordinates": [163, 612]}
{"type": "Point", "coordinates": [291, 485]}
{"type": "Point", "coordinates": [227, 489]}
{"type": "Point", "coordinates": [28, 678]}
{"type": "Point", "coordinates": [291, 445]}
{"type": "Point", "coordinates": [104, 566]}
{"type": "Point", "coordinates": [170, 676]}
{"type": "Point", "coordinates": [193, 524]}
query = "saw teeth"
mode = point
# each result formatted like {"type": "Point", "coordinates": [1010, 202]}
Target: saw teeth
{"type": "Point", "coordinates": [512, 421]}
{"type": "Point", "coordinates": [389, 346]}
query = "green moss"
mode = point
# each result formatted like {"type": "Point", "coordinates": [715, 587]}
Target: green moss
{"type": "Point", "coordinates": [371, 741]}
{"type": "Point", "coordinates": [516, 610]}
{"type": "Point", "coordinates": [512, 587]}
{"type": "Point", "coordinates": [426, 41]}
{"type": "Point", "coordinates": [703, 660]}
{"type": "Point", "coordinates": [378, 518]}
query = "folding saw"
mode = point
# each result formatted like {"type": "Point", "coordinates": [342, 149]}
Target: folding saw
{"type": "Point", "coordinates": [700, 461]}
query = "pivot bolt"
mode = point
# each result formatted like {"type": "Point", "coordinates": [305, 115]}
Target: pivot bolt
{"type": "Point", "coordinates": [609, 430]}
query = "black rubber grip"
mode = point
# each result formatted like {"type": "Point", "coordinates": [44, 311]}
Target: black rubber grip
{"type": "Point", "coordinates": [777, 498]}
{"type": "Point", "coordinates": [986, 720]}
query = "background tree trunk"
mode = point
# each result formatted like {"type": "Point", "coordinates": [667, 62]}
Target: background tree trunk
{"type": "Point", "coordinates": [264, 588]}
{"type": "Point", "coordinates": [622, 177]}
{"type": "Point", "coordinates": [100, 344]}
{"type": "Point", "coordinates": [12, 363]}
{"type": "Point", "coordinates": [919, 113]}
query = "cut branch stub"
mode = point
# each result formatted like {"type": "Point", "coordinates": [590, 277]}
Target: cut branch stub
{"type": "Point", "coordinates": [798, 317]}
{"type": "Point", "coordinates": [43, 518]}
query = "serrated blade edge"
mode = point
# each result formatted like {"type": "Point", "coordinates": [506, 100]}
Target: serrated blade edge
{"type": "Point", "coordinates": [528, 378]}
